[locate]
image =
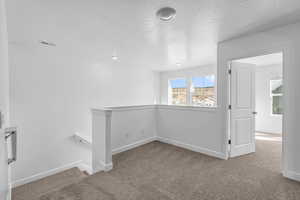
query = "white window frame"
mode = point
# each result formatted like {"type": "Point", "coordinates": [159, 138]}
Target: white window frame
{"type": "Point", "coordinates": [189, 93]}
{"type": "Point", "coordinates": [273, 95]}
{"type": "Point", "coordinates": [170, 97]}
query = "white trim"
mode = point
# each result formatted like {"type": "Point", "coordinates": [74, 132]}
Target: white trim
{"type": "Point", "coordinates": [193, 148]}
{"type": "Point", "coordinates": [133, 145]}
{"type": "Point", "coordinates": [85, 167]}
{"type": "Point", "coordinates": [275, 95]}
{"type": "Point", "coordinates": [105, 111]}
{"type": "Point", "coordinates": [292, 175]}
{"type": "Point", "coordinates": [170, 99]}
{"type": "Point", "coordinates": [108, 167]}
{"type": "Point", "coordinates": [103, 167]}
{"type": "Point", "coordinates": [128, 108]}
{"type": "Point", "coordinates": [154, 106]}
{"type": "Point", "coordinates": [269, 132]}
{"type": "Point", "coordinates": [50, 172]}
{"type": "Point", "coordinates": [285, 50]}
{"type": "Point", "coordinates": [187, 107]}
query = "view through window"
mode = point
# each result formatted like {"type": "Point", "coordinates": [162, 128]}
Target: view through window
{"type": "Point", "coordinates": [203, 91]}
{"type": "Point", "coordinates": [277, 97]}
{"type": "Point", "coordinates": [200, 93]}
{"type": "Point", "coordinates": [178, 90]}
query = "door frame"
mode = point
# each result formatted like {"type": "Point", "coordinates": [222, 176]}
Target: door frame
{"type": "Point", "coordinates": [228, 103]}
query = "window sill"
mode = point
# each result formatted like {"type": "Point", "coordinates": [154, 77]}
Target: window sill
{"type": "Point", "coordinates": [188, 107]}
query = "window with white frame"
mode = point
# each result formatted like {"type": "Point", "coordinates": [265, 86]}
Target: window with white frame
{"type": "Point", "coordinates": [197, 91]}
{"type": "Point", "coordinates": [203, 91]}
{"type": "Point", "coordinates": [178, 91]}
{"type": "Point", "coordinates": [276, 88]}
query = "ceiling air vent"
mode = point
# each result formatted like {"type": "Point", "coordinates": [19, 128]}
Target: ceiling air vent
{"type": "Point", "coordinates": [43, 42]}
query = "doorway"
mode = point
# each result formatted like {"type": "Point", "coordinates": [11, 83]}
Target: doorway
{"type": "Point", "coordinates": [256, 106]}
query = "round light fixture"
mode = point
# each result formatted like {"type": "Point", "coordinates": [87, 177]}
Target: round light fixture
{"type": "Point", "coordinates": [114, 57]}
{"type": "Point", "coordinates": [178, 64]}
{"type": "Point", "coordinates": [166, 13]}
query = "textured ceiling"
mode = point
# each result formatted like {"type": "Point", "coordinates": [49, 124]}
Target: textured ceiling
{"type": "Point", "coordinates": [96, 29]}
{"type": "Point", "coordinates": [270, 59]}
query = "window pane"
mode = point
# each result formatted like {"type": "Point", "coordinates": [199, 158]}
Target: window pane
{"type": "Point", "coordinates": [178, 89]}
{"type": "Point", "coordinates": [276, 87]}
{"type": "Point", "coordinates": [203, 91]}
{"type": "Point", "coordinates": [277, 108]}
{"type": "Point", "coordinates": [276, 94]}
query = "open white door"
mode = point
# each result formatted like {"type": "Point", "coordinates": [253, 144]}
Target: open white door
{"type": "Point", "coordinates": [242, 113]}
{"type": "Point", "coordinates": [4, 185]}
{"type": "Point", "coordinates": [4, 105]}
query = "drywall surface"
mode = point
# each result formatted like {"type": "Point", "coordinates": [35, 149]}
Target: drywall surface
{"type": "Point", "coordinates": [4, 103]}
{"type": "Point", "coordinates": [265, 121]}
{"type": "Point", "coordinates": [52, 91]}
{"type": "Point", "coordinates": [132, 125]}
{"type": "Point", "coordinates": [4, 68]}
{"type": "Point", "coordinates": [185, 126]}
{"type": "Point", "coordinates": [188, 73]}
{"type": "Point", "coordinates": [190, 127]}
{"type": "Point", "coordinates": [284, 39]}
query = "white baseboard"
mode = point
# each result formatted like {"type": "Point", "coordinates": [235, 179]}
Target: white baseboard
{"type": "Point", "coordinates": [107, 167]}
{"type": "Point", "coordinates": [172, 142]}
{"type": "Point", "coordinates": [133, 145]}
{"type": "Point", "coordinates": [268, 132]}
{"type": "Point", "coordinates": [85, 167]}
{"type": "Point", "coordinates": [101, 166]}
{"type": "Point", "coordinates": [292, 175]}
{"type": "Point", "coordinates": [41, 175]}
{"type": "Point", "coordinates": [193, 148]}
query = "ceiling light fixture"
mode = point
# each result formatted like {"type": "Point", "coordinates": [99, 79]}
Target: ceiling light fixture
{"type": "Point", "coordinates": [114, 57]}
{"type": "Point", "coordinates": [166, 13]}
{"type": "Point", "coordinates": [178, 64]}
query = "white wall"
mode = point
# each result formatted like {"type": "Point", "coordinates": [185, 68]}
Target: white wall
{"type": "Point", "coordinates": [265, 121]}
{"type": "Point", "coordinates": [4, 68]}
{"type": "Point", "coordinates": [190, 127]}
{"type": "Point", "coordinates": [132, 125]}
{"type": "Point", "coordinates": [4, 102]}
{"type": "Point", "coordinates": [284, 39]}
{"type": "Point", "coordinates": [52, 91]}
{"type": "Point", "coordinates": [188, 73]}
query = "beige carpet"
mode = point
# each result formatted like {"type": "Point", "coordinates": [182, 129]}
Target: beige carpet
{"type": "Point", "coordinates": [47, 185]}
{"type": "Point", "coordinates": [158, 171]}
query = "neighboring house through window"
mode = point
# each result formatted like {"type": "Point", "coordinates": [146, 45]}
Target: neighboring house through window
{"type": "Point", "coordinates": [197, 91]}
{"type": "Point", "coordinates": [276, 97]}
{"type": "Point", "coordinates": [203, 91]}
{"type": "Point", "coordinates": [178, 91]}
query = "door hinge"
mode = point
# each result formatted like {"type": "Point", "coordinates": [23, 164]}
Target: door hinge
{"type": "Point", "coordinates": [229, 107]}
{"type": "Point", "coordinates": [229, 71]}
{"type": "Point", "coordinates": [229, 141]}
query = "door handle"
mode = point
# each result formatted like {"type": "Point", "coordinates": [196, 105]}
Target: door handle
{"type": "Point", "coordinates": [254, 113]}
{"type": "Point", "coordinates": [12, 133]}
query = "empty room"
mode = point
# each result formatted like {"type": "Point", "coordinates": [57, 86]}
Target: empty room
{"type": "Point", "coordinates": [149, 100]}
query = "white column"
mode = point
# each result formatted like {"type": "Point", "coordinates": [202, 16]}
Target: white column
{"type": "Point", "coordinates": [101, 140]}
